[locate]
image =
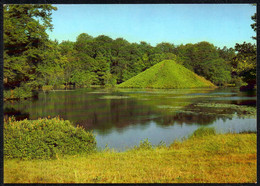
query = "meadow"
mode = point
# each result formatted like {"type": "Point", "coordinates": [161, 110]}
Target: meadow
{"type": "Point", "coordinates": [204, 157]}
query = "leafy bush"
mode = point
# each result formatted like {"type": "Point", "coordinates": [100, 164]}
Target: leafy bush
{"type": "Point", "coordinates": [204, 131]}
{"type": "Point", "coordinates": [45, 138]}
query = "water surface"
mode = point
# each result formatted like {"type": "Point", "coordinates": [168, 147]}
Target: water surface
{"type": "Point", "coordinates": [121, 118]}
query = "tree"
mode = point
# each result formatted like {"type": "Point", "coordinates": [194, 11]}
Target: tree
{"type": "Point", "coordinates": [203, 53]}
{"type": "Point", "coordinates": [217, 71]}
{"type": "Point", "coordinates": [227, 54]}
{"type": "Point", "coordinates": [254, 26]}
{"type": "Point", "coordinates": [24, 41]}
{"type": "Point", "coordinates": [102, 45]}
{"type": "Point", "coordinates": [66, 47]}
{"type": "Point", "coordinates": [102, 67]}
{"type": "Point", "coordinates": [82, 78]}
{"type": "Point", "coordinates": [165, 47]}
{"type": "Point", "coordinates": [82, 42]}
{"type": "Point", "coordinates": [186, 54]}
{"type": "Point", "coordinates": [117, 58]}
{"type": "Point", "coordinates": [244, 64]}
{"type": "Point", "coordinates": [198, 57]}
{"type": "Point", "coordinates": [67, 50]}
{"type": "Point", "coordinates": [51, 70]}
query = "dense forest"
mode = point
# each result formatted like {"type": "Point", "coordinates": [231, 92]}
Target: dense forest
{"type": "Point", "coordinates": [33, 62]}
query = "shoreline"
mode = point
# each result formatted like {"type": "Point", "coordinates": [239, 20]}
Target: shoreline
{"type": "Point", "coordinates": [206, 158]}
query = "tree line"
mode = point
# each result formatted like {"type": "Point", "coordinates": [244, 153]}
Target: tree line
{"type": "Point", "coordinates": [32, 60]}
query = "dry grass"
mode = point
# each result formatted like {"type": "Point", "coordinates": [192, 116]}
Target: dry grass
{"type": "Point", "coordinates": [227, 158]}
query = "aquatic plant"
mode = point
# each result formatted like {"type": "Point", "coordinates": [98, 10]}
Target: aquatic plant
{"type": "Point", "coordinates": [114, 97]}
{"type": "Point", "coordinates": [241, 110]}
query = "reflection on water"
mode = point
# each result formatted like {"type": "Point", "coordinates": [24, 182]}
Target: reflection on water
{"type": "Point", "coordinates": [123, 117]}
{"type": "Point", "coordinates": [132, 135]}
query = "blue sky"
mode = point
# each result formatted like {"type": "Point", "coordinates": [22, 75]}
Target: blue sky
{"type": "Point", "coordinates": [220, 24]}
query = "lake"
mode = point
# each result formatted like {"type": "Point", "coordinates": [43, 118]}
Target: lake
{"type": "Point", "coordinates": [121, 118]}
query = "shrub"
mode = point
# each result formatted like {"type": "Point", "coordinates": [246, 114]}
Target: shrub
{"type": "Point", "coordinates": [45, 138]}
{"type": "Point", "coordinates": [204, 131]}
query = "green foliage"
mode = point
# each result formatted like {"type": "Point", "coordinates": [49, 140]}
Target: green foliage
{"type": "Point", "coordinates": [203, 131]}
{"type": "Point", "coordinates": [45, 138]}
{"type": "Point", "coordinates": [24, 91]}
{"type": "Point", "coordinates": [109, 79]}
{"type": "Point", "coordinates": [51, 71]}
{"type": "Point", "coordinates": [82, 43]}
{"type": "Point", "coordinates": [165, 47]}
{"type": "Point", "coordinates": [32, 58]}
{"type": "Point", "coordinates": [167, 74]}
{"type": "Point", "coordinates": [47, 87]}
{"type": "Point", "coordinates": [24, 40]}
{"type": "Point", "coordinates": [206, 60]}
{"type": "Point", "coordinates": [82, 78]}
{"type": "Point", "coordinates": [254, 25]}
{"type": "Point", "coordinates": [244, 64]}
{"type": "Point", "coordinates": [217, 71]}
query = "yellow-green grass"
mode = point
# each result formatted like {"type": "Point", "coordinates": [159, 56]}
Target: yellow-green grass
{"type": "Point", "coordinates": [221, 158]}
{"type": "Point", "coordinates": [167, 74]}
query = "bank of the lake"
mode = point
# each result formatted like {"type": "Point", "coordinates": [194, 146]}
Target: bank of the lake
{"type": "Point", "coordinates": [211, 158]}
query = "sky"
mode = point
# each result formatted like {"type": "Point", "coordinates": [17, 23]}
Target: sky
{"type": "Point", "coordinates": [219, 24]}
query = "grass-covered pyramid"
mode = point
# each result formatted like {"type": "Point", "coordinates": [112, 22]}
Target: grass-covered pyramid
{"type": "Point", "coordinates": [167, 74]}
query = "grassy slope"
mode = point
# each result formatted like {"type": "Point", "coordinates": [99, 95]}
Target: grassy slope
{"type": "Point", "coordinates": [167, 74]}
{"type": "Point", "coordinates": [225, 158]}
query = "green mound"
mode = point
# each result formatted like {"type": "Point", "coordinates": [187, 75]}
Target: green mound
{"type": "Point", "coordinates": [167, 74]}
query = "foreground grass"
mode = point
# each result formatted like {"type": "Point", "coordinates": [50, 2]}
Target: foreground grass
{"type": "Point", "coordinates": [221, 158]}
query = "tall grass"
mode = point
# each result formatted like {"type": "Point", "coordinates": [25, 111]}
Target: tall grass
{"type": "Point", "coordinates": [220, 158]}
{"type": "Point", "coordinates": [205, 157]}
